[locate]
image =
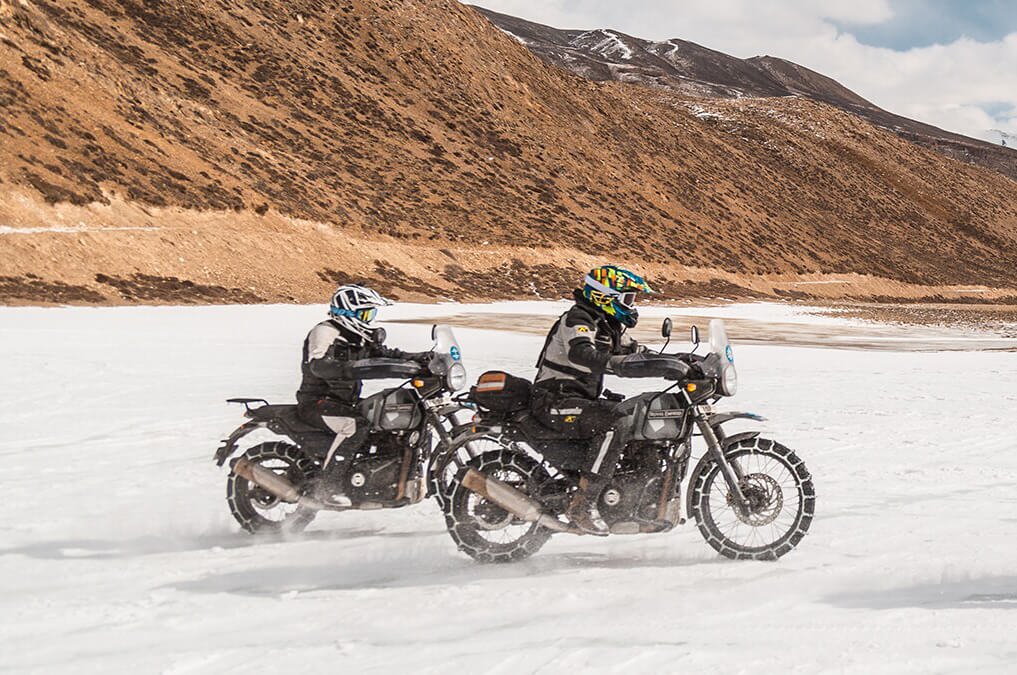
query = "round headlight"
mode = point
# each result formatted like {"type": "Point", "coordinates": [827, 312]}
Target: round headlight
{"type": "Point", "coordinates": [729, 381]}
{"type": "Point", "coordinates": [456, 377]}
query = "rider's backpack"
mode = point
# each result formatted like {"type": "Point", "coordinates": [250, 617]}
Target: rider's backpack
{"type": "Point", "coordinates": [501, 392]}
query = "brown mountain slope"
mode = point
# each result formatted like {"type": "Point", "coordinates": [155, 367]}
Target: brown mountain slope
{"type": "Point", "coordinates": [689, 68]}
{"type": "Point", "coordinates": [226, 150]}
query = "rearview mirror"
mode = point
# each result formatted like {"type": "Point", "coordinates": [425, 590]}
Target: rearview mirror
{"type": "Point", "coordinates": [434, 331]}
{"type": "Point", "coordinates": [665, 328]}
{"type": "Point", "coordinates": [694, 336]}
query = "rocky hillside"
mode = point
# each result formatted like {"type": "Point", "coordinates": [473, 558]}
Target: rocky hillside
{"type": "Point", "coordinates": [688, 68]}
{"type": "Point", "coordinates": [227, 150]}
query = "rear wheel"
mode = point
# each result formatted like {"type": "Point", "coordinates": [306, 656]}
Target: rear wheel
{"type": "Point", "coordinates": [780, 495]}
{"type": "Point", "coordinates": [259, 511]}
{"type": "Point", "coordinates": [485, 531]}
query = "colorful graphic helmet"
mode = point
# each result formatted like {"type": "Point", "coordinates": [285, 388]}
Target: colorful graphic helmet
{"type": "Point", "coordinates": [613, 290]}
{"type": "Point", "coordinates": [354, 307]}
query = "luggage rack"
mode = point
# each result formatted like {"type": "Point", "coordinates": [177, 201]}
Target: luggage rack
{"type": "Point", "coordinates": [247, 402]}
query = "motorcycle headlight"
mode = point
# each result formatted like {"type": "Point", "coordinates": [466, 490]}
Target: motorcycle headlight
{"type": "Point", "coordinates": [456, 377]}
{"type": "Point", "coordinates": [729, 381]}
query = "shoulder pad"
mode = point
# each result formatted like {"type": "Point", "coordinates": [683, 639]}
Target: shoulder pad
{"type": "Point", "coordinates": [580, 315]}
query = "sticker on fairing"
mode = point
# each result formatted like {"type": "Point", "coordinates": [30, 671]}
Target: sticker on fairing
{"type": "Point", "coordinates": [729, 353]}
{"type": "Point", "coordinates": [454, 353]}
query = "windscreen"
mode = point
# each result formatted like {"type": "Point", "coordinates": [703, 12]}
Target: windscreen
{"type": "Point", "coordinates": [446, 350]}
{"type": "Point", "coordinates": [719, 344]}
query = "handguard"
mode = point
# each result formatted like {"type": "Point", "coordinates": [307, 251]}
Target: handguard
{"type": "Point", "coordinates": [383, 368]}
{"type": "Point", "coordinates": [648, 364]}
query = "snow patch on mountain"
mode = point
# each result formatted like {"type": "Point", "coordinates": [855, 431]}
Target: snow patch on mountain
{"type": "Point", "coordinates": [604, 42]}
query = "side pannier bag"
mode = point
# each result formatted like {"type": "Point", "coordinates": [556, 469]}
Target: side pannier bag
{"type": "Point", "coordinates": [501, 392]}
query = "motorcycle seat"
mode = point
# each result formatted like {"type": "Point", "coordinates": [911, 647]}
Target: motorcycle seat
{"type": "Point", "coordinates": [267, 412]}
{"type": "Point", "coordinates": [286, 415]}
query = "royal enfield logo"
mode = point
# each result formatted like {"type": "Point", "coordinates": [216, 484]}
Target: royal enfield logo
{"type": "Point", "coordinates": [665, 414]}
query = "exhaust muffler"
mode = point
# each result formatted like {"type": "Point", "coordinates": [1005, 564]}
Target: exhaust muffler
{"type": "Point", "coordinates": [512, 500]}
{"type": "Point", "coordinates": [274, 483]}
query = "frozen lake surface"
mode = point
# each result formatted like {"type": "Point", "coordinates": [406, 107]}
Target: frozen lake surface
{"type": "Point", "coordinates": [117, 552]}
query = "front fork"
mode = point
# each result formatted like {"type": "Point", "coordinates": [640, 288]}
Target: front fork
{"type": "Point", "coordinates": [730, 470]}
{"type": "Point", "coordinates": [437, 418]}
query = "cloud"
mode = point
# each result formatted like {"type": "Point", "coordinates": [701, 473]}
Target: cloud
{"type": "Point", "coordinates": [966, 85]}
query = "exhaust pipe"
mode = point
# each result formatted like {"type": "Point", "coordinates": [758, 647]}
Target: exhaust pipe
{"type": "Point", "coordinates": [274, 483]}
{"type": "Point", "coordinates": [512, 500]}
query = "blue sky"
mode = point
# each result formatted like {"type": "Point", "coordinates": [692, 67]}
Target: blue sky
{"type": "Point", "coordinates": [946, 62]}
{"type": "Point", "coordinates": [920, 23]}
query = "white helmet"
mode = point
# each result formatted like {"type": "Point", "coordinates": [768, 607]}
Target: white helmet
{"type": "Point", "coordinates": [354, 307]}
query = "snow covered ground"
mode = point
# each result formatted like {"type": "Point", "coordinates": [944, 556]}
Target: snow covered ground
{"type": "Point", "coordinates": [117, 552]}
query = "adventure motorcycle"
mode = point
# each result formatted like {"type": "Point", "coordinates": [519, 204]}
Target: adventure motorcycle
{"type": "Point", "coordinates": [269, 484]}
{"type": "Point", "coordinates": [752, 498]}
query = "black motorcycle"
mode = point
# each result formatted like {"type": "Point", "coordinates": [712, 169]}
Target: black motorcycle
{"type": "Point", "coordinates": [269, 485]}
{"type": "Point", "coordinates": [509, 479]}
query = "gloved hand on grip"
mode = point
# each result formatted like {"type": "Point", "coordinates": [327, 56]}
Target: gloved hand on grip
{"type": "Point", "coordinates": [635, 348]}
{"type": "Point", "coordinates": [423, 358]}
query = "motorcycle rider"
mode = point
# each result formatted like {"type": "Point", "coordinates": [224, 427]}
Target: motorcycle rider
{"type": "Point", "coordinates": [330, 391]}
{"type": "Point", "coordinates": [584, 344]}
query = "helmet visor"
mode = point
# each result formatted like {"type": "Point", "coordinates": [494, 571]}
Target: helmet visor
{"type": "Point", "coordinates": [367, 315]}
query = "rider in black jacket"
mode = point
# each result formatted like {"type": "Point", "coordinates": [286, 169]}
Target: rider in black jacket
{"type": "Point", "coordinates": [330, 391]}
{"type": "Point", "coordinates": [584, 344]}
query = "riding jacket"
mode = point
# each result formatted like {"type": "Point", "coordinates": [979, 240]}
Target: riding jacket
{"type": "Point", "coordinates": [578, 349]}
{"type": "Point", "coordinates": [328, 351]}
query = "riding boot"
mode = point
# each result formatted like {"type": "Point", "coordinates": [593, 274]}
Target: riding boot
{"type": "Point", "coordinates": [581, 509]}
{"type": "Point", "coordinates": [607, 447]}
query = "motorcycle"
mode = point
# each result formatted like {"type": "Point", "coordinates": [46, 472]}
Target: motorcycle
{"type": "Point", "coordinates": [751, 497]}
{"type": "Point", "coordinates": [269, 484]}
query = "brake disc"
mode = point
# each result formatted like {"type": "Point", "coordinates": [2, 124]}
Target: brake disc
{"type": "Point", "coordinates": [765, 500]}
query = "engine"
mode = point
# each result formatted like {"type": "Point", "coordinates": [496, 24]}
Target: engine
{"type": "Point", "coordinates": [634, 492]}
{"type": "Point", "coordinates": [373, 475]}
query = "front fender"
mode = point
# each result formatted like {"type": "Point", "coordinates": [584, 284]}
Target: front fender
{"type": "Point", "coordinates": [229, 445]}
{"type": "Point", "coordinates": [721, 418]}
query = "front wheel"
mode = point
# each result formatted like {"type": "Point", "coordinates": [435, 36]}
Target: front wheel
{"type": "Point", "coordinates": [259, 511]}
{"type": "Point", "coordinates": [780, 495]}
